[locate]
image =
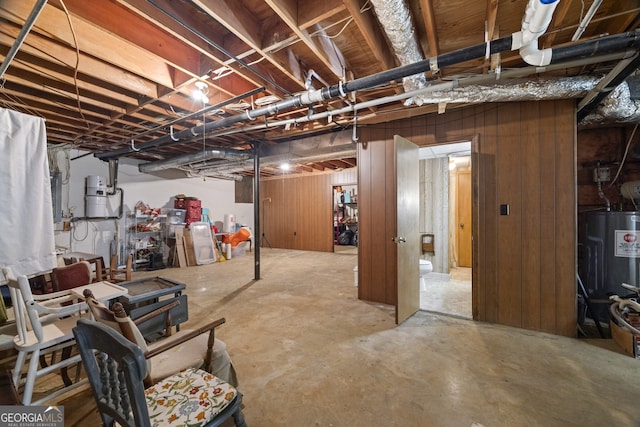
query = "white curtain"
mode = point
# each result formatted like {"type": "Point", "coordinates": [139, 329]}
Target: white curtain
{"type": "Point", "coordinates": [27, 244]}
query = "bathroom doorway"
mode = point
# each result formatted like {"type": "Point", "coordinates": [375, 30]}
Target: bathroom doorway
{"type": "Point", "coordinates": [345, 219]}
{"type": "Point", "coordinates": [445, 212]}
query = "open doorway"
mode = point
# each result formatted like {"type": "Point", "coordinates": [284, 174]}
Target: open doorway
{"type": "Point", "coordinates": [345, 219]}
{"type": "Point", "coordinates": [445, 221]}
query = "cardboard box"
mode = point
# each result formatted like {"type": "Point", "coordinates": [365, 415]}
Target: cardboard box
{"type": "Point", "coordinates": [629, 342]}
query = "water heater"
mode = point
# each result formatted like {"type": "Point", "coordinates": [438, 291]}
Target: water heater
{"type": "Point", "coordinates": [96, 197]}
{"type": "Point", "coordinates": [611, 254]}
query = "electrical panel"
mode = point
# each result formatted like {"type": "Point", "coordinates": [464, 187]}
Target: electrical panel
{"type": "Point", "coordinates": [601, 175]}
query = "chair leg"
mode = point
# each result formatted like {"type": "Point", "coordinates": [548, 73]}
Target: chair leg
{"type": "Point", "coordinates": [17, 370]}
{"type": "Point", "coordinates": [31, 378]}
{"type": "Point", "coordinates": [64, 373]}
{"type": "Point", "coordinates": [238, 418]}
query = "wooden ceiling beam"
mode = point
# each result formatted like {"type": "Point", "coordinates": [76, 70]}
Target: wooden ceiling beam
{"type": "Point", "coordinates": [43, 48]}
{"type": "Point", "coordinates": [311, 12]}
{"type": "Point", "coordinates": [92, 41]}
{"type": "Point", "coordinates": [240, 22]}
{"type": "Point", "coordinates": [430, 25]}
{"type": "Point", "coordinates": [370, 29]}
{"type": "Point", "coordinates": [326, 51]}
{"type": "Point", "coordinates": [557, 22]}
{"type": "Point", "coordinates": [210, 58]}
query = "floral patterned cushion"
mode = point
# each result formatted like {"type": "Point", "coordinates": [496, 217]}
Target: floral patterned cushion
{"type": "Point", "coordinates": [192, 397]}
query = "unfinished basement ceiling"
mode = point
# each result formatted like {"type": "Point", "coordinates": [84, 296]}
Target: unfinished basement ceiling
{"type": "Point", "coordinates": [117, 77]}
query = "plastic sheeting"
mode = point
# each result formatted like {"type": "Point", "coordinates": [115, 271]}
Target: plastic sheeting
{"type": "Point", "coordinates": [27, 244]}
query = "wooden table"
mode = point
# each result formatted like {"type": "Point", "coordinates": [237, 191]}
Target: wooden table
{"type": "Point", "coordinates": [102, 291]}
{"type": "Point", "coordinates": [144, 296]}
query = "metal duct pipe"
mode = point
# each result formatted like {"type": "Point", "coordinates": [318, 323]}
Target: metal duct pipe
{"type": "Point", "coordinates": [618, 107]}
{"type": "Point", "coordinates": [202, 173]}
{"type": "Point", "coordinates": [24, 31]}
{"type": "Point", "coordinates": [620, 72]}
{"type": "Point", "coordinates": [200, 156]}
{"type": "Point", "coordinates": [395, 18]}
{"type": "Point", "coordinates": [274, 160]}
{"type": "Point", "coordinates": [113, 177]}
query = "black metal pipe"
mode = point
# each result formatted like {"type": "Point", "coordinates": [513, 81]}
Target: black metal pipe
{"type": "Point", "coordinates": [609, 44]}
{"type": "Point", "coordinates": [620, 42]}
{"type": "Point", "coordinates": [256, 210]}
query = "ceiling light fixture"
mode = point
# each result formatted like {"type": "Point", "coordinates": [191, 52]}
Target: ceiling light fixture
{"type": "Point", "coordinates": [200, 94]}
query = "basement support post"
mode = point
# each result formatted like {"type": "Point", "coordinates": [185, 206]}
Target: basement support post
{"type": "Point", "coordinates": [256, 209]}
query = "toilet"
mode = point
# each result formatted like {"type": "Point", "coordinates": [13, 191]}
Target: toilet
{"type": "Point", "coordinates": [425, 268]}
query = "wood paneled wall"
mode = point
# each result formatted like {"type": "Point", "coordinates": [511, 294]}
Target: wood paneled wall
{"type": "Point", "coordinates": [377, 216]}
{"type": "Point", "coordinates": [524, 263]}
{"type": "Point", "coordinates": [299, 214]}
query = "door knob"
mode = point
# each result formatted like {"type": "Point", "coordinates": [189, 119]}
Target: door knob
{"type": "Point", "coordinates": [398, 240]}
{"type": "Point", "coordinates": [461, 225]}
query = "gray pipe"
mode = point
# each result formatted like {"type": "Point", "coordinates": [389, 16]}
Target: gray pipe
{"type": "Point", "coordinates": [28, 24]}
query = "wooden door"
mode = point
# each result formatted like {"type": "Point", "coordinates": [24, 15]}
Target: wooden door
{"type": "Point", "coordinates": [407, 236]}
{"type": "Point", "coordinates": [388, 202]}
{"type": "Point", "coordinates": [463, 217]}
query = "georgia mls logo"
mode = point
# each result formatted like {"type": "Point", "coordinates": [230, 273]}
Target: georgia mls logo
{"type": "Point", "coordinates": [31, 416]}
{"type": "Point", "coordinates": [630, 238]}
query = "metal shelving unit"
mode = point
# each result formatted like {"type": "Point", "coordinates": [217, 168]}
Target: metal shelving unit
{"type": "Point", "coordinates": [145, 237]}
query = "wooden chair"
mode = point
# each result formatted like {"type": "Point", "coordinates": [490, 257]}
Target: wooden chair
{"type": "Point", "coordinates": [44, 325]}
{"type": "Point", "coordinates": [116, 369]}
{"type": "Point", "coordinates": [188, 348]}
{"type": "Point", "coordinates": [115, 274]}
{"type": "Point", "coordinates": [71, 276]}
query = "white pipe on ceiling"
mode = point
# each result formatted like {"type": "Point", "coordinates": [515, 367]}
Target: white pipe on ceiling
{"type": "Point", "coordinates": [535, 22]}
{"type": "Point", "coordinates": [586, 20]}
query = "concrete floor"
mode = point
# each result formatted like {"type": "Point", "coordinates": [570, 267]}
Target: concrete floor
{"type": "Point", "coordinates": [309, 353]}
{"type": "Point", "coordinates": [448, 293]}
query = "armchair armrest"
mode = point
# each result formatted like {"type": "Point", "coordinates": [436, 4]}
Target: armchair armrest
{"type": "Point", "coordinates": [166, 310]}
{"type": "Point", "coordinates": [210, 327]}
{"type": "Point", "coordinates": [51, 295]}
{"type": "Point", "coordinates": [62, 311]}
